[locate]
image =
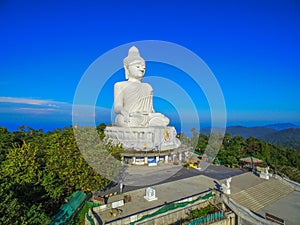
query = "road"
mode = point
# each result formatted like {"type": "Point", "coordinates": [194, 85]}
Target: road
{"type": "Point", "coordinates": [144, 176]}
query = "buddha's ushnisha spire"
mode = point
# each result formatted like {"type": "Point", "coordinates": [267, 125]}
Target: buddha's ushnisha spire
{"type": "Point", "coordinates": [133, 56]}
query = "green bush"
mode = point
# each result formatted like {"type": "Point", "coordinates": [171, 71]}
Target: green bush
{"type": "Point", "coordinates": [201, 212]}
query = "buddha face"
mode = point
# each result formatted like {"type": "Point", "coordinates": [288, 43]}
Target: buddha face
{"type": "Point", "coordinates": [136, 70]}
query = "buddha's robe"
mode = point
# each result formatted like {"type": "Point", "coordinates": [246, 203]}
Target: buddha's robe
{"type": "Point", "coordinates": [136, 98]}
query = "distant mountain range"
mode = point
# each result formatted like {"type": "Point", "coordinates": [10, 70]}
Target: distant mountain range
{"type": "Point", "coordinates": [281, 126]}
{"type": "Point", "coordinates": [286, 134]}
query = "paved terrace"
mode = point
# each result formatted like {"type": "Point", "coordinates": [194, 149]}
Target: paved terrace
{"type": "Point", "coordinates": [144, 176]}
{"type": "Point", "coordinates": [259, 195]}
{"type": "Point", "coordinates": [166, 192]}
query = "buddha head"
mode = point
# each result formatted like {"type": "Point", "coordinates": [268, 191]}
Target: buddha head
{"type": "Point", "coordinates": [134, 64]}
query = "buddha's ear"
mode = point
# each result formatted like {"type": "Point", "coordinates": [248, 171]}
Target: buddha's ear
{"type": "Point", "coordinates": [126, 73]}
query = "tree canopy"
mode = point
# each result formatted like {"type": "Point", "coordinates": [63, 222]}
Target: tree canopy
{"type": "Point", "coordinates": [39, 170]}
{"type": "Point", "coordinates": [280, 158]}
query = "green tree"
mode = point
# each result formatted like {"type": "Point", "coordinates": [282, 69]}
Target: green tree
{"type": "Point", "coordinates": [21, 188]}
{"type": "Point", "coordinates": [195, 137]}
{"type": "Point", "coordinates": [183, 138]}
{"type": "Point", "coordinates": [202, 143]}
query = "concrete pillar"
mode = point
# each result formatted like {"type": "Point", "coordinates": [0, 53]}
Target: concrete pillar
{"type": "Point", "coordinates": [166, 159]}
{"type": "Point", "coordinates": [146, 160]}
{"type": "Point", "coordinates": [173, 158]}
{"type": "Point", "coordinates": [180, 157]}
{"type": "Point", "coordinates": [133, 160]}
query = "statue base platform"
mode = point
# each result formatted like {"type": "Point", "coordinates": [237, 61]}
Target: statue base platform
{"type": "Point", "coordinates": [226, 190]}
{"type": "Point", "coordinates": [264, 176]}
{"type": "Point", "coordinates": [149, 146]}
{"type": "Point", "coordinates": [150, 199]}
{"type": "Point", "coordinates": [144, 138]}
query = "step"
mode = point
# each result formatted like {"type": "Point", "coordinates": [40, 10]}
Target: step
{"type": "Point", "coordinates": [263, 194]}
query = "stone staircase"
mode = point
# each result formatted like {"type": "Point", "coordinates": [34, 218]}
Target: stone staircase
{"type": "Point", "coordinates": [263, 194]}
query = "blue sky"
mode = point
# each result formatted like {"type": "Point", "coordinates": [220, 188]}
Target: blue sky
{"type": "Point", "coordinates": [252, 48]}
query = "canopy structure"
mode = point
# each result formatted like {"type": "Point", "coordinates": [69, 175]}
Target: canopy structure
{"type": "Point", "coordinates": [66, 211]}
{"type": "Point", "coordinates": [251, 160]}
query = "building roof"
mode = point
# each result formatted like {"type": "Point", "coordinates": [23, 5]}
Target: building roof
{"type": "Point", "coordinates": [166, 192]}
{"type": "Point", "coordinates": [248, 160]}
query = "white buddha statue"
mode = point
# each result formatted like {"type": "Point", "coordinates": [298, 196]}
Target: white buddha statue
{"type": "Point", "coordinates": [133, 99]}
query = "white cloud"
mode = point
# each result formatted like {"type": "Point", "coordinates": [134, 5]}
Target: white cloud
{"type": "Point", "coordinates": [39, 107]}
{"type": "Point", "coordinates": [32, 106]}
{"type": "Point", "coordinates": [38, 111]}
{"type": "Point", "coordinates": [30, 101]}
{"type": "Point", "coordinates": [53, 105]}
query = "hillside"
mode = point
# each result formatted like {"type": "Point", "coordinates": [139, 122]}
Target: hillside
{"type": "Point", "coordinates": [244, 132]}
{"type": "Point", "coordinates": [247, 132]}
{"type": "Point", "coordinates": [288, 138]}
{"type": "Point", "coordinates": [285, 134]}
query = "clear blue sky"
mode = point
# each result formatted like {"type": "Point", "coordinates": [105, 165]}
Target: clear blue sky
{"type": "Point", "coordinates": [252, 47]}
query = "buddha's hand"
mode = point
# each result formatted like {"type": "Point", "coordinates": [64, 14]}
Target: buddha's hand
{"type": "Point", "coordinates": [125, 114]}
{"type": "Point", "coordinates": [135, 114]}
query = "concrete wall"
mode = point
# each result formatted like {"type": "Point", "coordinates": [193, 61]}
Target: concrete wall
{"type": "Point", "coordinates": [244, 215]}
{"type": "Point", "coordinates": [182, 214]}
{"type": "Point", "coordinates": [91, 214]}
{"type": "Point", "coordinates": [289, 182]}
{"type": "Point", "coordinates": [173, 216]}
{"type": "Point", "coordinates": [229, 220]}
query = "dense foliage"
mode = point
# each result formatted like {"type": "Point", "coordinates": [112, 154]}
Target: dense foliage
{"type": "Point", "coordinates": [201, 212]}
{"type": "Point", "coordinates": [39, 170]}
{"type": "Point", "coordinates": [279, 158]}
{"type": "Point", "coordinates": [288, 137]}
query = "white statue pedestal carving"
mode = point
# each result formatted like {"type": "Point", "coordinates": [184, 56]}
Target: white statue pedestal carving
{"type": "Point", "coordinates": [144, 138]}
{"type": "Point", "coordinates": [265, 175]}
{"type": "Point", "coordinates": [150, 194]}
{"type": "Point", "coordinates": [226, 187]}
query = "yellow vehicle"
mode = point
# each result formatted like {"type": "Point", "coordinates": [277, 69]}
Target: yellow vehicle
{"type": "Point", "coordinates": [194, 165]}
